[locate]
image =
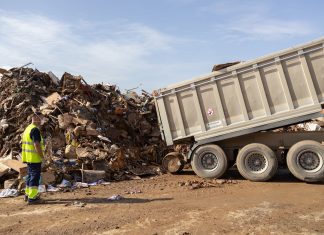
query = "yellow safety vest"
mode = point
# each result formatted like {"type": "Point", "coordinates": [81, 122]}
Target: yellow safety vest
{"type": "Point", "coordinates": [29, 153]}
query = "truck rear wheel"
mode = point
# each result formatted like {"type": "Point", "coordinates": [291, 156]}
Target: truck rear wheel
{"type": "Point", "coordinates": [209, 161]}
{"type": "Point", "coordinates": [257, 162]}
{"type": "Point", "coordinates": [305, 161]}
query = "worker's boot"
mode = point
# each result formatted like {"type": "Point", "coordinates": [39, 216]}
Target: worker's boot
{"type": "Point", "coordinates": [35, 201]}
{"type": "Point", "coordinates": [26, 197]}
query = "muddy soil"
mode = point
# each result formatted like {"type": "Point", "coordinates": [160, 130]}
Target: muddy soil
{"type": "Point", "coordinates": [174, 204]}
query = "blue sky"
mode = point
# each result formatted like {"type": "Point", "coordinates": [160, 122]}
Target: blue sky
{"type": "Point", "coordinates": [150, 43]}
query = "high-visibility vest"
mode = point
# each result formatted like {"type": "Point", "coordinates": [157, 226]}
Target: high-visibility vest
{"type": "Point", "coordinates": [29, 153]}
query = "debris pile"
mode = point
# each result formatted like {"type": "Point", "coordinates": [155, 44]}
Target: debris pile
{"type": "Point", "coordinates": [314, 125]}
{"type": "Point", "coordinates": [91, 132]}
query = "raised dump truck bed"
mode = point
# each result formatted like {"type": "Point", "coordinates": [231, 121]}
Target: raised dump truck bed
{"type": "Point", "coordinates": [280, 89]}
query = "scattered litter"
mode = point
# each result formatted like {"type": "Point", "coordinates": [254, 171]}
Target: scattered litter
{"type": "Point", "coordinates": [102, 182]}
{"type": "Point", "coordinates": [99, 182]}
{"type": "Point", "coordinates": [64, 184]}
{"type": "Point", "coordinates": [78, 204]}
{"type": "Point", "coordinates": [104, 138]}
{"type": "Point", "coordinates": [80, 185]}
{"type": "Point", "coordinates": [9, 193]}
{"type": "Point", "coordinates": [51, 188]}
{"type": "Point", "coordinates": [133, 191]}
{"type": "Point", "coordinates": [42, 188]}
{"type": "Point", "coordinates": [116, 198]}
{"type": "Point", "coordinates": [219, 181]}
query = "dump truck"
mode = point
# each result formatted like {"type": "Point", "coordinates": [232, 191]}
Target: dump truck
{"type": "Point", "coordinates": [227, 116]}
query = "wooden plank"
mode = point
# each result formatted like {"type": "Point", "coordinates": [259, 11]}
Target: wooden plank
{"type": "Point", "coordinates": [3, 169]}
{"type": "Point", "coordinates": [18, 166]}
{"type": "Point", "coordinates": [53, 98]}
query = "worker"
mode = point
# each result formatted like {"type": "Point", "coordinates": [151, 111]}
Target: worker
{"type": "Point", "coordinates": [33, 154]}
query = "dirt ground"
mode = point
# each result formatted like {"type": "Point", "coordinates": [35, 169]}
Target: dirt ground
{"type": "Point", "coordinates": [169, 204]}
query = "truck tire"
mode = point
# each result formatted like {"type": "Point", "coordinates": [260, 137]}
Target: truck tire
{"type": "Point", "coordinates": [257, 162]}
{"type": "Point", "coordinates": [305, 161]}
{"type": "Point", "coordinates": [209, 161]}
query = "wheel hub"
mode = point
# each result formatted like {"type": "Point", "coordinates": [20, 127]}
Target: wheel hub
{"type": "Point", "coordinates": [256, 162]}
{"type": "Point", "coordinates": [209, 161]}
{"type": "Point", "coordinates": [309, 160]}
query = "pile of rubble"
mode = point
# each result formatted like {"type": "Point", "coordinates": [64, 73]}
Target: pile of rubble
{"type": "Point", "coordinates": [92, 132]}
{"type": "Point", "coordinates": [313, 125]}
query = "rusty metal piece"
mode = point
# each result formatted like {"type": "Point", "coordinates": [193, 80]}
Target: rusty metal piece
{"type": "Point", "coordinates": [218, 67]}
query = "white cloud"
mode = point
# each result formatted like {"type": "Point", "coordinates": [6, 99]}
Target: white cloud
{"type": "Point", "coordinates": [253, 20]}
{"type": "Point", "coordinates": [115, 54]}
{"type": "Point", "coordinates": [263, 28]}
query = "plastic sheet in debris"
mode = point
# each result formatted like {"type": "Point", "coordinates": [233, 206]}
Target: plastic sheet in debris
{"type": "Point", "coordinates": [4, 124]}
{"type": "Point", "coordinates": [41, 188]}
{"type": "Point", "coordinates": [115, 198]}
{"type": "Point", "coordinates": [9, 193]}
{"type": "Point", "coordinates": [104, 138]}
{"type": "Point", "coordinates": [51, 188]}
{"type": "Point", "coordinates": [99, 182]}
{"type": "Point", "coordinates": [80, 185]}
{"type": "Point", "coordinates": [309, 126]}
{"type": "Point", "coordinates": [65, 184]}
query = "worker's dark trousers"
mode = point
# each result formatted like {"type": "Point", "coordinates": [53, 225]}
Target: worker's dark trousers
{"type": "Point", "coordinates": [32, 180]}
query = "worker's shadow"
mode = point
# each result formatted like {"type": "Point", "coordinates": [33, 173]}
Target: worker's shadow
{"type": "Point", "coordinates": [95, 200]}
